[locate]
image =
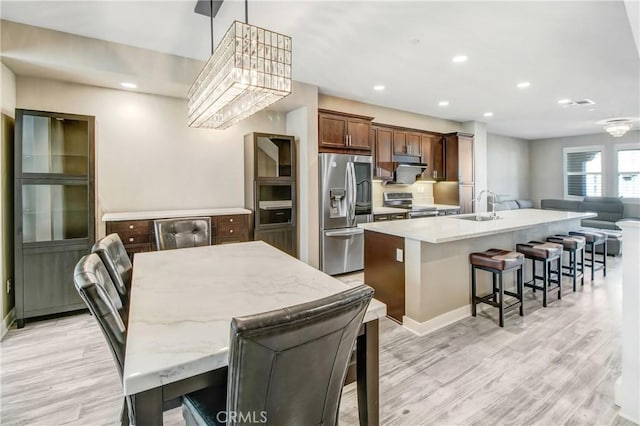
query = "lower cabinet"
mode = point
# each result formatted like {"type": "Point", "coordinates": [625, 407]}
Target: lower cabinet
{"type": "Point", "coordinates": [281, 237]}
{"type": "Point", "coordinates": [389, 216]}
{"type": "Point", "coordinates": [384, 270]}
{"type": "Point", "coordinates": [138, 236]}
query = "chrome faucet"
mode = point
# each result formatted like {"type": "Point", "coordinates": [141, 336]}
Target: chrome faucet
{"type": "Point", "coordinates": [493, 204]}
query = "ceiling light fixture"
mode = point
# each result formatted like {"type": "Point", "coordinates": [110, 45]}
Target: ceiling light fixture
{"type": "Point", "coordinates": [443, 103]}
{"type": "Point", "coordinates": [378, 87]}
{"type": "Point", "coordinates": [248, 71]}
{"type": "Point", "coordinates": [524, 85]}
{"type": "Point", "coordinates": [128, 85]}
{"type": "Point", "coordinates": [459, 59]}
{"type": "Point", "coordinates": [564, 101]}
{"type": "Point", "coordinates": [617, 127]}
{"type": "Point", "coordinates": [488, 114]}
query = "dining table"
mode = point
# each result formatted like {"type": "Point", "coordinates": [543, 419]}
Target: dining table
{"type": "Point", "coordinates": [180, 310]}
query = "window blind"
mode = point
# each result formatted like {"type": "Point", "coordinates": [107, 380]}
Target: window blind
{"type": "Point", "coordinates": [584, 173]}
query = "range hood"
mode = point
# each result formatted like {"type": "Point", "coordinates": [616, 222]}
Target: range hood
{"type": "Point", "coordinates": [406, 168]}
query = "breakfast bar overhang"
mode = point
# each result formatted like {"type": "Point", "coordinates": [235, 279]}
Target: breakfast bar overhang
{"type": "Point", "coordinates": [420, 267]}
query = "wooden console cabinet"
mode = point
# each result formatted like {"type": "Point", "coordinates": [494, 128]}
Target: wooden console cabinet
{"type": "Point", "coordinates": [138, 234]}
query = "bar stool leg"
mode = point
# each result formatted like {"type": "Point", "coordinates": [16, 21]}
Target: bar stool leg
{"type": "Point", "coordinates": [520, 291]}
{"type": "Point", "coordinates": [582, 253]}
{"type": "Point", "coordinates": [573, 263]}
{"type": "Point", "coordinates": [533, 266]}
{"type": "Point", "coordinates": [501, 298]}
{"type": "Point", "coordinates": [559, 277]}
{"type": "Point", "coordinates": [473, 290]}
{"type": "Point", "coordinates": [495, 288]}
{"type": "Point", "coordinates": [545, 284]}
{"type": "Point", "coordinates": [593, 260]}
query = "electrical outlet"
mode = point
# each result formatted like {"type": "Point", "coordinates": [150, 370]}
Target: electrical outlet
{"type": "Point", "coordinates": [9, 285]}
{"type": "Point", "coordinates": [399, 255]}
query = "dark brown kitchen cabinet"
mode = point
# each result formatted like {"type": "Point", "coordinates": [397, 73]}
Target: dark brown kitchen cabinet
{"type": "Point", "coordinates": [437, 158]}
{"type": "Point", "coordinates": [406, 142]}
{"type": "Point", "coordinates": [458, 155]}
{"type": "Point", "coordinates": [341, 132]}
{"type": "Point", "coordinates": [427, 146]}
{"type": "Point", "coordinates": [451, 158]}
{"type": "Point", "coordinates": [383, 152]}
{"type": "Point", "coordinates": [54, 208]}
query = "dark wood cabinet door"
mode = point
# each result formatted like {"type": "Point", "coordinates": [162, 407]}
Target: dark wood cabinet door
{"type": "Point", "coordinates": [358, 132]}
{"type": "Point", "coordinates": [427, 143]}
{"type": "Point", "coordinates": [437, 158]}
{"type": "Point", "coordinates": [399, 142]}
{"type": "Point", "coordinates": [332, 131]}
{"type": "Point", "coordinates": [413, 143]}
{"type": "Point", "coordinates": [451, 158]}
{"type": "Point", "coordinates": [384, 152]}
{"type": "Point", "coordinates": [283, 238]}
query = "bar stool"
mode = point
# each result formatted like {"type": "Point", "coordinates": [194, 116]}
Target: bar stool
{"type": "Point", "coordinates": [545, 252]}
{"type": "Point", "coordinates": [573, 244]}
{"type": "Point", "coordinates": [594, 239]}
{"type": "Point", "coordinates": [497, 262]}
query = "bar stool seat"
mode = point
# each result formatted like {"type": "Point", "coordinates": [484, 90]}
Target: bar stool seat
{"type": "Point", "coordinates": [497, 261]}
{"type": "Point", "coordinates": [573, 244]}
{"type": "Point", "coordinates": [594, 239]}
{"type": "Point", "coordinates": [545, 252]}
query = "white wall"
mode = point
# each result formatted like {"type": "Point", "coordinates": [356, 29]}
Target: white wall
{"type": "Point", "coordinates": [8, 98]}
{"type": "Point", "coordinates": [508, 166]}
{"type": "Point", "coordinates": [547, 170]}
{"type": "Point", "coordinates": [147, 157]}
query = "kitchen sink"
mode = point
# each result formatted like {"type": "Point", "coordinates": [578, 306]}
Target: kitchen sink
{"type": "Point", "coordinates": [475, 218]}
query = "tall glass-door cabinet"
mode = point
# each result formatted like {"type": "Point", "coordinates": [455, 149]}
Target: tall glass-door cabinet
{"type": "Point", "coordinates": [54, 209]}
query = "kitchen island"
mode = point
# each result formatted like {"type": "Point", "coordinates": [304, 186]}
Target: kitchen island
{"type": "Point", "coordinates": [420, 267]}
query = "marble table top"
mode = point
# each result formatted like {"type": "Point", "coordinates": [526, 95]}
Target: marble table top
{"type": "Point", "coordinates": [182, 303]}
{"type": "Point", "coordinates": [442, 229]}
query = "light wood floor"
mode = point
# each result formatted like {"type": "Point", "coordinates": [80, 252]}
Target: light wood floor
{"type": "Point", "coordinates": [554, 366]}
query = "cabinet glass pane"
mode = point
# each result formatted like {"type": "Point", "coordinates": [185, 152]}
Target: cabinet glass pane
{"type": "Point", "coordinates": [273, 157]}
{"type": "Point", "coordinates": [54, 212]}
{"type": "Point", "coordinates": [275, 204]}
{"type": "Point", "coordinates": [54, 145]}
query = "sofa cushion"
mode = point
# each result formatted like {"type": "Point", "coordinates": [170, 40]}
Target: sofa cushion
{"type": "Point", "coordinates": [525, 204]}
{"type": "Point", "coordinates": [600, 224]}
{"type": "Point", "coordinates": [565, 205]}
{"type": "Point", "coordinates": [609, 209]}
{"type": "Point", "coordinates": [507, 205]}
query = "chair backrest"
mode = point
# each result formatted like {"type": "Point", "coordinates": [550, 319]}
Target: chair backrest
{"type": "Point", "coordinates": [101, 297]}
{"type": "Point", "coordinates": [290, 364]}
{"type": "Point", "coordinates": [182, 233]}
{"type": "Point", "coordinates": [608, 208]}
{"type": "Point", "coordinates": [115, 258]}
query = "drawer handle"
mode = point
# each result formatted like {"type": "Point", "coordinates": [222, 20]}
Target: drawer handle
{"type": "Point", "coordinates": [130, 226]}
{"type": "Point", "coordinates": [231, 231]}
{"type": "Point", "coordinates": [130, 240]}
{"type": "Point", "coordinates": [230, 220]}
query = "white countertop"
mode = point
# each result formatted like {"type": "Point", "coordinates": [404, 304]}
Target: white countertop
{"type": "Point", "coordinates": [275, 205]}
{"type": "Point", "coordinates": [443, 229]}
{"type": "Point", "coordinates": [162, 214]}
{"type": "Point", "coordinates": [182, 302]}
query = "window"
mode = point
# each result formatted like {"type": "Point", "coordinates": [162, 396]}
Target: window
{"type": "Point", "coordinates": [628, 167]}
{"type": "Point", "coordinates": [582, 172]}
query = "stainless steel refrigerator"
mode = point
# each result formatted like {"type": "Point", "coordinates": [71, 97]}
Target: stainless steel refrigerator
{"type": "Point", "coordinates": [345, 201]}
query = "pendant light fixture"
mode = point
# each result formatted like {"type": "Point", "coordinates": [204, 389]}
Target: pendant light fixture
{"type": "Point", "coordinates": [617, 127]}
{"type": "Point", "coordinates": [248, 71]}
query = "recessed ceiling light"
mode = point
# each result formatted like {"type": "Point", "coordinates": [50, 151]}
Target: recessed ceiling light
{"type": "Point", "coordinates": [488, 114]}
{"type": "Point", "coordinates": [460, 58]}
{"type": "Point", "coordinates": [523, 85]}
{"type": "Point", "coordinates": [378, 87]}
{"type": "Point", "coordinates": [127, 85]}
{"type": "Point", "coordinates": [443, 103]}
{"type": "Point", "coordinates": [592, 109]}
{"type": "Point", "coordinates": [564, 101]}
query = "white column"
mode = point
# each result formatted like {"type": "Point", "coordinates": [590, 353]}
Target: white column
{"type": "Point", "coordinates": [628, 386]}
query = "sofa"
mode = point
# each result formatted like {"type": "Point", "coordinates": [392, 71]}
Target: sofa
{"type": "Point", "coordinates": [609, 210]}
{"type": "Point", "coordinates": [512, 204]}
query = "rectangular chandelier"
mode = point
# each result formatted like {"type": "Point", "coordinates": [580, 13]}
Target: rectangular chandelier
{"type": "Point", "coordinates": [249, 70]}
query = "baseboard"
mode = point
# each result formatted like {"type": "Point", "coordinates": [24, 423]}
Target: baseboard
{"type": "Point", "coordinates": [424, 328]}
{"type": "Point", "coordinates": [7, 322]}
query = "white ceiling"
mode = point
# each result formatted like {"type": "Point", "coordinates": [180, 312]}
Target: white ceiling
{"type": "Point", "coordinates": [566, 49]}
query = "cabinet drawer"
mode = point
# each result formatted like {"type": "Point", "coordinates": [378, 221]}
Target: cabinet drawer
{"type": "Point", "coordinates": [232, 220]}
{"type": "Point", "coordinates": [129, 238]}
{"type": "Point", "coordinates": [398, 216]}
{"type": "Point", "coordinates": [380, 217]}
{"type": "Point", "coordinates": [130, 227]}
{"type": "Point", "coordinates": [235, 238]}
{"type": "Point", "coordinates": [231, 230]}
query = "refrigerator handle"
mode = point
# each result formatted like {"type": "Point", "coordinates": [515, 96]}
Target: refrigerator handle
{"type": "Point", "coordinates": [352, 204]}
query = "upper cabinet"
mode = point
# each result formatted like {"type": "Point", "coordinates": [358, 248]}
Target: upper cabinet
{"type": "Point", "coordinates": [340, 132]}
{"type": "Point", "coordinates": [383, 149]}
{"type": "Point", "coordinates": [406, 142]}
{"type": "Point", "coordinates": [458, 157]}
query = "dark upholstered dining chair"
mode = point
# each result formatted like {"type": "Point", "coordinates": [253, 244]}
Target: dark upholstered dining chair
{"type": "Point", "coordinates": [182, 233]}
{"type": "Point", "coordinates": [286, 367]}
{"type": "Point", "coordinates": [101, 297]}
{"type": "Point", "coordinates": [115, 258]}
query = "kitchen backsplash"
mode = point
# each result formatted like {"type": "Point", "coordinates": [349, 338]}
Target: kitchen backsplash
{"type": "Point", "coordinates": [422, 191]}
